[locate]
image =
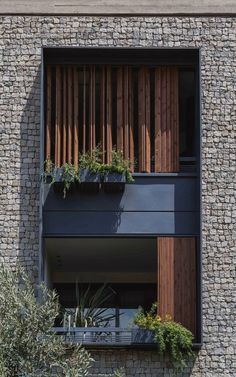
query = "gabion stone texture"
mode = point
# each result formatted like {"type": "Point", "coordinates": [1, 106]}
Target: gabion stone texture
{"type": "Point", "coordinates": [21, 40]}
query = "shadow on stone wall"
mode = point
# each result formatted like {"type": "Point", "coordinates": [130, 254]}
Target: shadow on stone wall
{"type": "Point", "coordinates": [29, 192]}
{"type": "Point", "coordinates": [135, 363]}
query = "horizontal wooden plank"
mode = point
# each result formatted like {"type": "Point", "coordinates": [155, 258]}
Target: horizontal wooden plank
{"type": "Point", "coordinates": [118, 7]}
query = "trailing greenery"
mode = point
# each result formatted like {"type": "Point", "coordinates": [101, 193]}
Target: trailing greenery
{"type": "Point", "coordinates": [90, 311]}
{"type": "Point", "coordinates": [69, 176]}
{"type": "Point", "coordinates": [92, 161]}
{"type": "Point", "coordinates": [28, 345]}
{"type": "Point", "coordinates": [172, 338]}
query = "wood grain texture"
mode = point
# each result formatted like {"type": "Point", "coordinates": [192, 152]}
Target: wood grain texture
{"type": "Point", "coordinates": [131, 120]}
{"type": "Point", "coordinates": [69, 115]}
{"type": "Point", "coordinates": [144, 120]}
{"type": "Point", "coordinates": [58, 123]}
{"type": "Point", "coordinates": [177, 279]}
{"type": "Point", "coordinates": [108, 115]}
{"type": "Point", "coordinates": [103, 111]}
{"type": "Point", "coordinates": [84, 108]}
{"type": "Point", "coordinates": [76, 117]}
{"type": "Point", "coordinates": [64, 127]}
{"type": "Point", "coordinates": [120, 102]}
{"type": "Point", "coordinates": [157, 109]}
{"type": "Point", "coordinates": [166, 120]}
{"type": "Point", "coordinates": [48, 112]}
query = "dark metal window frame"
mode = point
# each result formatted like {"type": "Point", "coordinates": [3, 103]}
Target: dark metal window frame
{"type": "Point", "coordinates": [187, 57]}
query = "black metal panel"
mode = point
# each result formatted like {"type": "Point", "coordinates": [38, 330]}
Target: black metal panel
{"type": "Point", "coordinates": [91, 55]}
{"type": "Point", "coordinates": [74, 223]}
{"type": "Point", "coordinates": [147, 194]}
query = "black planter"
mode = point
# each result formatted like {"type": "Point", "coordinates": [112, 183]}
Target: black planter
{"type": "Point", "coordinates": [143, 336]}
{"type": "Point", "coordinates": [57, 175]}
{"type": "Point", "coordinates": [58, 185]}
{"type": "Point", "coordinates": [88, 176]}
{"type": "Point", "coordinates": [47, 178]}
{"type": "Point", "coordinates": [89, 181]}
{"type": "Point", "coordinates": [114, 182]}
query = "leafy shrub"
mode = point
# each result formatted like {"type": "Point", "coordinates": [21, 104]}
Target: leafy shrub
{"type": "Point", "coordinates": [28, 345]}
{"type": "Point", "coordinates": [172, 338]}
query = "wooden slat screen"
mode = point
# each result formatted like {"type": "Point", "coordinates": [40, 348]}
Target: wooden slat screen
{"type": "Point", "coordinates": [177, 279]}
{"type": "Point", "coordinates": [132, 108]}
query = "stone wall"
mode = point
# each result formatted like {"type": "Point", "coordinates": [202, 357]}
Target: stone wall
{"type": "Point", "coordinates": [21, 39]}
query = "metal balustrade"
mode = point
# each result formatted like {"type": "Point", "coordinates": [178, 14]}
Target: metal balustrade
{"type": "Point", "coordinates": [104, 335]}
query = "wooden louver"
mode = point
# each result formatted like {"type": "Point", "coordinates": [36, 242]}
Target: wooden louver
{"type": "Point", "coordinates": [134, 109]}
{"type": "Point", "coordinates": [177, 279]}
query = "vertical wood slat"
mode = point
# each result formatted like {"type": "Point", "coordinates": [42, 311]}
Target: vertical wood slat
{"type": "Point", "coordinates": [76, 117]}
{"type": "Point", "coordinates": [169, 145]}
{"type": "Point", "coordinates": [120, 102]}
{"type": "Point", "coordinates": [58, 122]}
{"type": "Point", "coordinates": [147, 122]}
{"type": "Point", "coordinates": [166, 120]}
{"type": "Point", "coordinates": [163, 120]}
{"type": "Point", "coordinates": [64, 128]}
{"type": "Point", "coordinates": [131, 121]}
{"type": "Point", "coordinates": [102, 111]}
{"type": "Point", "coordinates": [140, 119]}
{"type": "Point", "coordinates": [185, 282]}
{"type": "Point", "coordinates": [125, 132]}
{"type": "Point", "coordinates": [157, 110]}
{"type": "Point", "coordinates": [177, 279]}
{"type": "Point", "coordinates": [176, 120]}
{"type": "Point", "coordinates": [48, 113]}
{"type": "Point", "coordinates": [84, 110]}
{"type": "Point", "coordinates": [108, 115]}
{"type": "Point", "coordinates": [144, 119]}
{"type": "Point", "coordinates": [69, 116]}
{"type": "Point", "coordinates": [126, 113]}
{"type": "Point", "coordinates": [165, 265]}
{"type": "Point", "coordinates": [92, 136]}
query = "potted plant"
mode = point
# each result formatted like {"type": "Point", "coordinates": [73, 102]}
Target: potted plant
{"type": "Point", "coordinates": [48, 169]}
{"type": "Point", "coordinates": [64, 178]}
{"type": "Point", "coordinates": [171, 338]}
{"type": "Point", "coordinates": [90, 170]}
{"type": "Point", "coordinates": [117, 173]}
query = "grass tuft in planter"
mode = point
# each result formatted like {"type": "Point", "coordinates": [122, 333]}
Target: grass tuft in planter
{"type": "Point", "coordinates": [117, 173]}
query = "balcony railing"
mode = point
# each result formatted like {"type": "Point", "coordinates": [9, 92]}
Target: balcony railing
{"type": "Point", "coordinates": [112, 336]}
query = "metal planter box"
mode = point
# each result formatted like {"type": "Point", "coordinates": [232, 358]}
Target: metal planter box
{"type": "Point", "coordinates": [114, 182]}
{"type": "Point", "coordinates": [89, 181]}
{"type": "Point", "coordinates": [142, 336]}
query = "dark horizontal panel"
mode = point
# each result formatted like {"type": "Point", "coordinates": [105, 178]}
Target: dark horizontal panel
{"type": "Point", "coordinates": [149, 56]}
{"type": "Point", "coordinates": [107, 223]}
{"type": "Point", "coordinates": [147, 194]}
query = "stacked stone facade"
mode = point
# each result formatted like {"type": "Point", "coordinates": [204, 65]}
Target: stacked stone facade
{"type": "Point", "coordinates": [21, 40]}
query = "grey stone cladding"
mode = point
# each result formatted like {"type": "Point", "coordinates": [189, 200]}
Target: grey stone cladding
{"type": "Point", "coordinates": [21, 39]}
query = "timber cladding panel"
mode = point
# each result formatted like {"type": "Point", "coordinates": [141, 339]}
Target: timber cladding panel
{"type": "Point", "coordinates": [133, 108]}
{"type": "Point", "coordinates": [177, 279]}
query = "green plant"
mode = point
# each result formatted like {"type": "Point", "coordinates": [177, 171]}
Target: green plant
{"type": "Point", "coordinates": [172, 338]}
{"type": "Point", "coordinates": [28, 345]}
{"type": "Point", "coordinates": [118, 165]}
{"type": "Point", "coordinates": [69, 176]}
{"type": "Point", "coordinates": [48, 169]}
{"type": "Point", "coordinates": [89, 311]}
{"type": "Point", "coordinates": [119, 372]}
{"type": "Point", "coordinates": [91, 160]}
